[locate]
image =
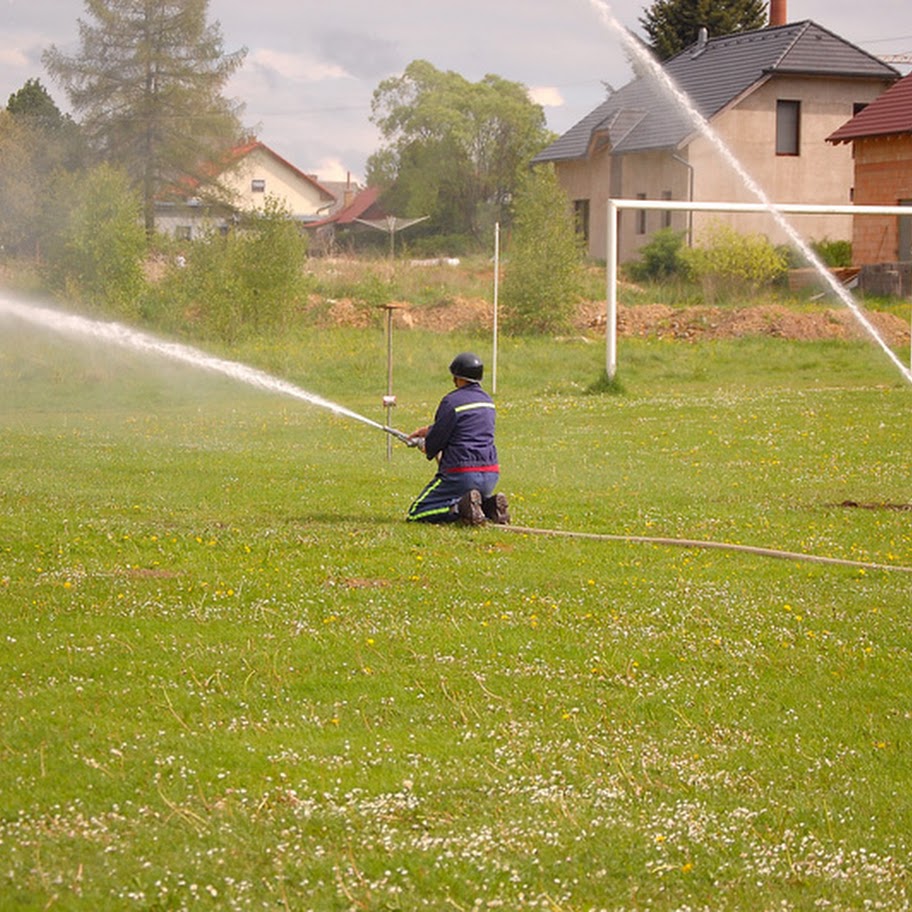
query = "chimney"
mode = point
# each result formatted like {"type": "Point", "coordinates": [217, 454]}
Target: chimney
{"type": "Point", "coordinates": [778, 13]}
{"type": "Point", "coordinates": [700, 46]}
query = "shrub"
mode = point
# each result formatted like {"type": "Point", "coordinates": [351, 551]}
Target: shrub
{"type": "Point", "coordinates": [96, 257]}
{"type": "Point", "coordinates": [543, 278]}
{"type": "Point", "coordinates": [833, 253]}
{"type": "Point", "coordinates": [733, 263]}
{"type": "Point", "coordinates": [660, 258]}
{"type": "Point", "coordinates": [270, 266]}
{"type": "Point", "coordinates": [249, 281]}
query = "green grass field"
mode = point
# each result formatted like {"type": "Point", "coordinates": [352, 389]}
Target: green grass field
{"type": "Point", "coordinates": [235, 678]}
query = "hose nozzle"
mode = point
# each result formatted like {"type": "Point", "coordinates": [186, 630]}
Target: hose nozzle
{"type": "Point", "coordinates": [399, 435]}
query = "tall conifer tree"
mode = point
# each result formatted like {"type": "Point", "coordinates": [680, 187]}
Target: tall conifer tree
{"type": "Point", "coordinates": [673, 25]}
{"type": "Point", "coordinates": [147, 86]}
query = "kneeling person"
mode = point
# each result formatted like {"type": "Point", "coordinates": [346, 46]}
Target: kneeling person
{"type": "Point", "coordinates": [462, 440]}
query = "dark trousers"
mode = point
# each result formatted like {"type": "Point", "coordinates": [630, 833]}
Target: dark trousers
{"type": "Point", "coordinates": [435, 503]}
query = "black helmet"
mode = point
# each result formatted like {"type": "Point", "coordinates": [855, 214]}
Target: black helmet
{"type": "Point", "coordinates": [467, 366]}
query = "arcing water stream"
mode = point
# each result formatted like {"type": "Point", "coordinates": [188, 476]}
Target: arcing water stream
{"type": "Point", "coordinates": [118, 334]}
{"type": "Point", "coordinates": [673, 91]}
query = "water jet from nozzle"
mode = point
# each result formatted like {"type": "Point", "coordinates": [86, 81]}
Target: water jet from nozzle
{"type": "Point", "coordinates": [119, 334]}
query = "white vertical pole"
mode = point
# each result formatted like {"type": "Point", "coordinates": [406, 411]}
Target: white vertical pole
{"type": "Point", "coordinates": [389, 378]}
{"type": "Point", "coordinates": [496, 285]}
{"type": "Point", "coordinates": [611, 278]}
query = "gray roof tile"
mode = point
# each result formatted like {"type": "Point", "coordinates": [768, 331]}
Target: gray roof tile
{"type": "Point", "coordinates": [712, 77]}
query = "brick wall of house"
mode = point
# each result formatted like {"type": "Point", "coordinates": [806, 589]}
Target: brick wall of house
{"type": "Point", "coordinates": [883, 177]}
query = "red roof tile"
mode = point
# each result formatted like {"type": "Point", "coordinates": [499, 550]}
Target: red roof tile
{"type": "Point", "coordinates": [354, 210]}
{"type": "Point", "coordinates": [234, 155]}
{"type": "Point", "coordinates": [889, 114]}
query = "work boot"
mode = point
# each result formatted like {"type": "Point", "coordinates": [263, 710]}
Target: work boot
{"type": "Point", "coordinates": [495, 508]}
{"type": "Point", "coordinates": [469, 508]}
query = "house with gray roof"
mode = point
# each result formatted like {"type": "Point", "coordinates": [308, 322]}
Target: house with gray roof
{"type": "Point", "coordinates": [772, 95]}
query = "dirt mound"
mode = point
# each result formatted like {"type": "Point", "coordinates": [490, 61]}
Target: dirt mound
{"type": "Point", "coordinates": [696, 323]}
{"type": "Point", "coordinates": [458, 313]}
{"type": "Point", "coordinates": [455, 314]}
{"type": "Point", "coordinates": [643, 321]}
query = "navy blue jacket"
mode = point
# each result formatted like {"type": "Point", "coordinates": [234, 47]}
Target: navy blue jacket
{"type": "Point", "coordinates": [463, 431]}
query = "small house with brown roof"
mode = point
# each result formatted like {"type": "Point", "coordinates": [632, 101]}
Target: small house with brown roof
{"type": "Point", "coordinates": [772, 95]}
{"type": "Point", "coordinates": [881, 139]}
{"type": "Point", "coordinates": [358, 204]}
{"type": "Point", "coordinates": [250, 174]}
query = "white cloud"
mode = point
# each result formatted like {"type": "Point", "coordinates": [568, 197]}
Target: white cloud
{"type": "Point", "coordinates": [546, 96]}
{"type": "Point", "coordinates": [333, 169]}
{"type": "Point", "coordinates": [295, 67]}
{"type": "Point", "coordinates": [10, 57]}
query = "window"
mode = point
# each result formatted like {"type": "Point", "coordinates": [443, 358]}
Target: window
{"type": "Point", "coordinates": [666, 215]}
{"type": "Point", "coordinates": [641, 216]}
{"type": "Point", "coordinates": [857, 108]}
{"type": "Point", "coordinates": [904, 234]}
{"type": "Point", "coordinates": [788, 127]}
{"type": "Point", "coordinates": [581, 217]}
{"type": "Point", "coordinates": [258, 185]}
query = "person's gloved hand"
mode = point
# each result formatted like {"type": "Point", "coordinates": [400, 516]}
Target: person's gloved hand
{"type": "Point", "coordinates": [418, 435]}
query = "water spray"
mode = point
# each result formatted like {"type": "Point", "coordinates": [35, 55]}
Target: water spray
{"type": "Point", "coordinates": [124, 336]}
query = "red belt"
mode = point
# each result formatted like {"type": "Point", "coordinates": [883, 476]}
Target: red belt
{"type": "Point", "coordinates": [459, 469]}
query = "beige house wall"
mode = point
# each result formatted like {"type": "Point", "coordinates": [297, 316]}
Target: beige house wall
{"type": "Point", "coordinates": [652, 175]}
{"type": "Point", "coordinates": [821, 173]}
{"type": "Point", "coordinates": [590, 179]}
{"type": "Point", "coordinates": [300, 196]}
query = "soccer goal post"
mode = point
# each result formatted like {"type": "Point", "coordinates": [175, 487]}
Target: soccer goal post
{"type": "Point", "coordinates": [616, 205]}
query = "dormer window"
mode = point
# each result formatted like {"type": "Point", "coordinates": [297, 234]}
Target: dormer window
{"type": "Point", "coordinates": [258, 185]}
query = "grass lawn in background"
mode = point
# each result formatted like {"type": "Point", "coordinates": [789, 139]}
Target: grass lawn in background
{"type": "Point", "coordinates": [235, 678]}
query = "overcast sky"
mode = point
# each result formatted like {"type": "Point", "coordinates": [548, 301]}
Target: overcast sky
{"type": "Point", "coordinates": [311, 67]}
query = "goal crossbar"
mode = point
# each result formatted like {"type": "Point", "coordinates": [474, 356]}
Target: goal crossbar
{"type": "Point", "coordinates": [616, 205]}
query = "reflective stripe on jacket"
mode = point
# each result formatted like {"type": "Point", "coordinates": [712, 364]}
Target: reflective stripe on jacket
{"type": "Point", "coordinates": [463, 431]}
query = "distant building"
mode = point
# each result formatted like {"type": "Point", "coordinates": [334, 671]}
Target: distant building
{"type": "Point", "coordinates": [241, 183]}
{"type": "Point", "coordinates": [881, 139]}
{"type": "Point", "coordinates": [773, 95]}
{"type": "Point", "coordinates": [360, 205]}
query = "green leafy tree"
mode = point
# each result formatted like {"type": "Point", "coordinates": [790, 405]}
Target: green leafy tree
{"type": "Point", "coordinates": [673, 25]}
{"type": "Point", "coordinates": [543, 278]}
{"type": "Point", "coordinates": [37, 142]}
{"type": "Point", "coordinates": [452, 148]}
{"type": "Point", "coordinates": [19, 185]}
{"type": "Point", "coordinates": [147, 83]}
{"type": "Point", "coordinates": [97, 257]}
